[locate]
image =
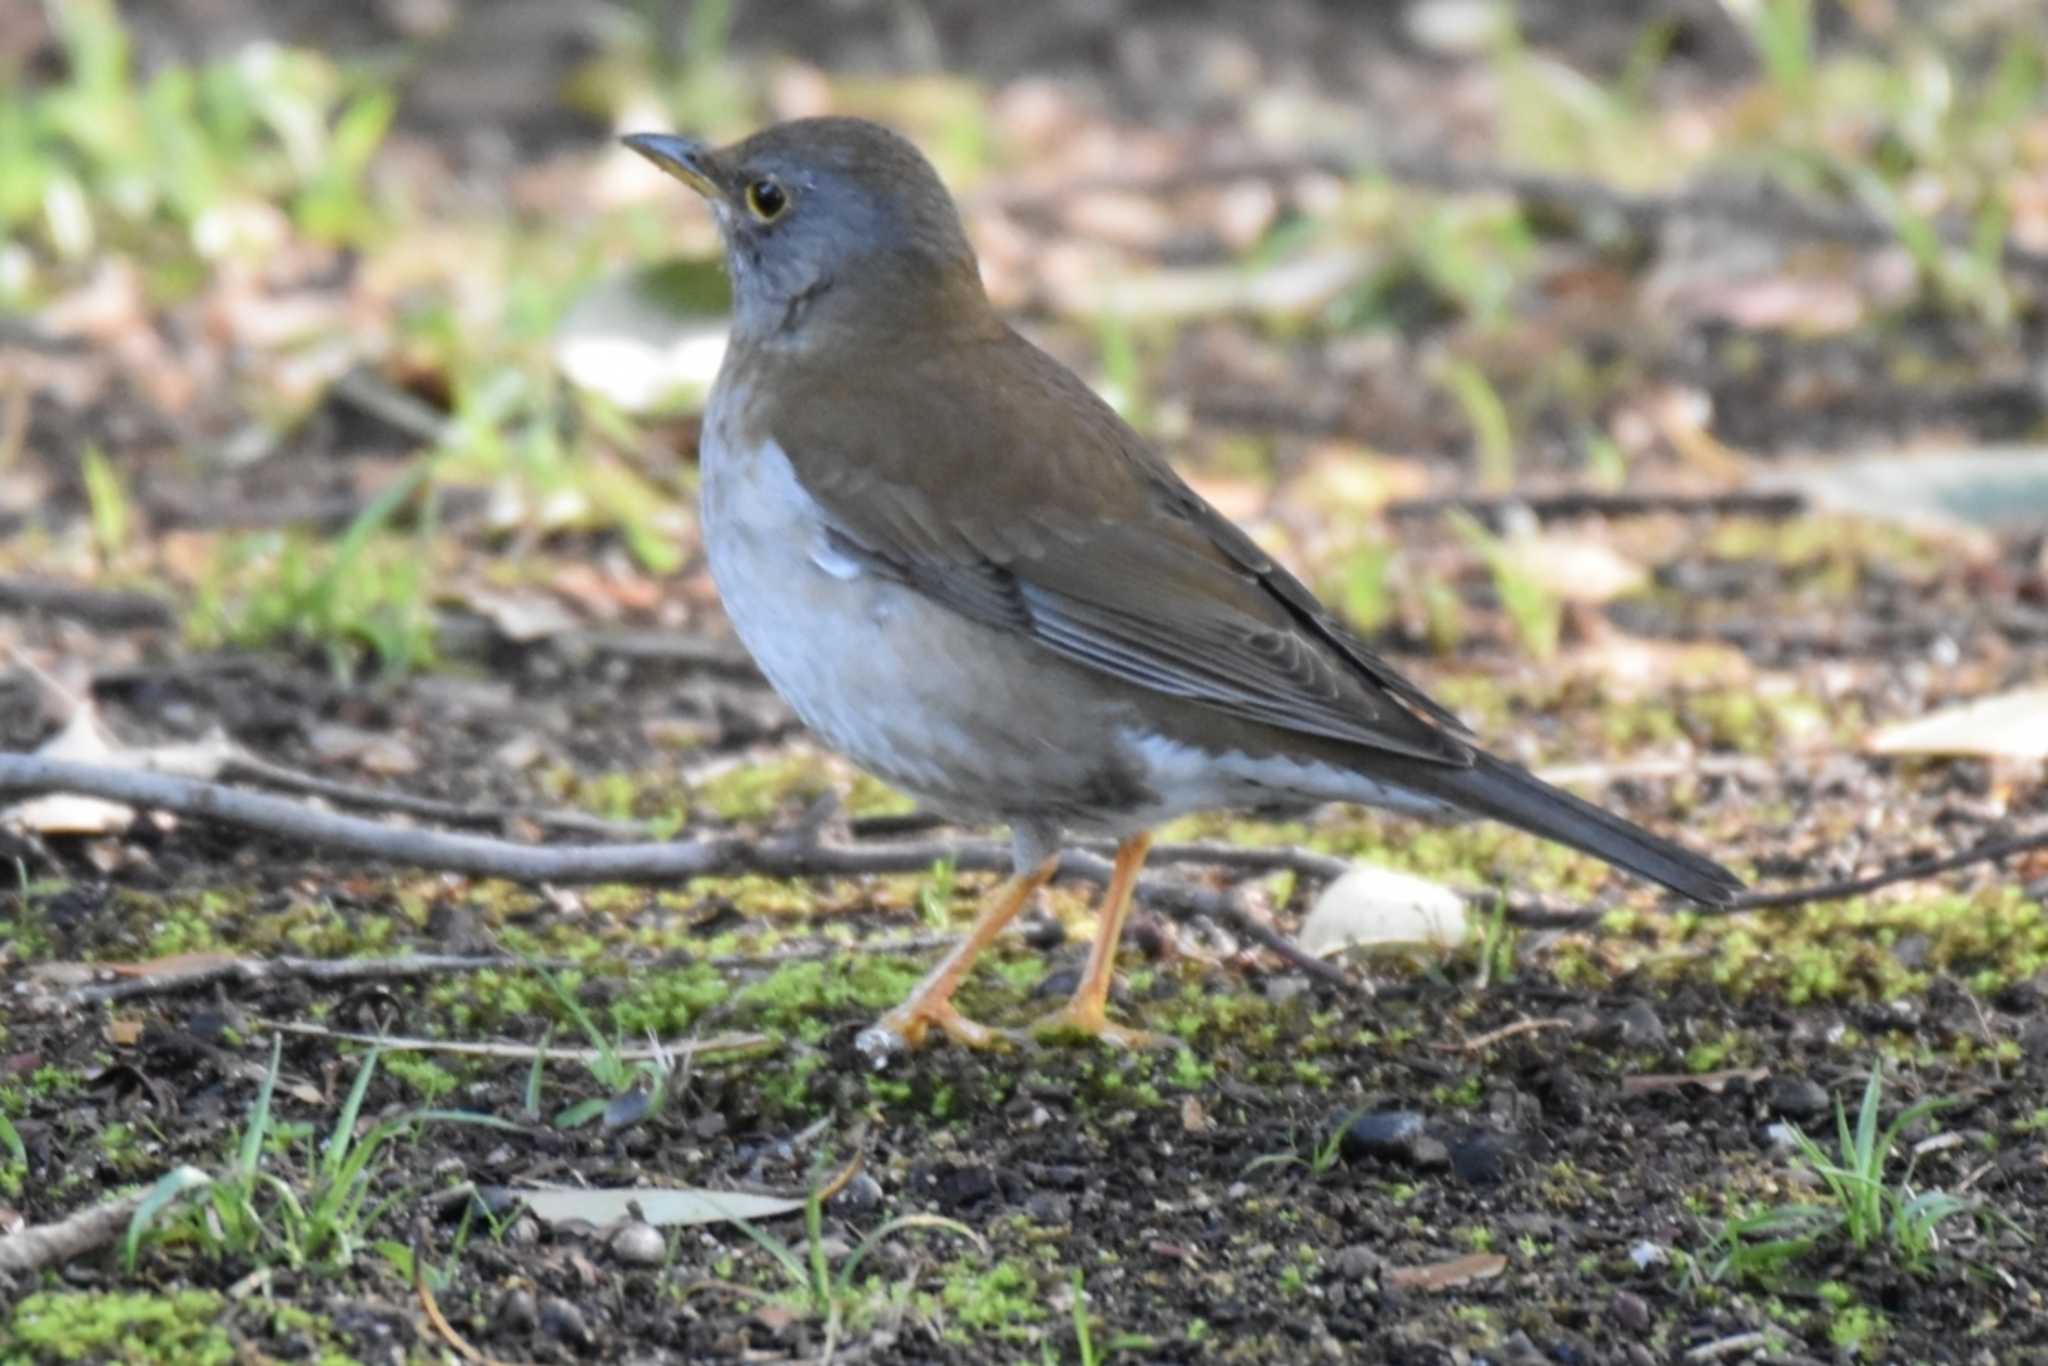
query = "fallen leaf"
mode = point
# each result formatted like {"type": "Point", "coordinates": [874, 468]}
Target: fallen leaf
{"type": "Point", "coordinates": [1450, 1275]}
{"type": "Point", "coordinates": [2000, 487]}
{"type": "Point", "coordinates": [1381, 908]}
{"type": "Point", "coordinates": [2010, 725]}
{"type": "Point", "coordinates": [664, 1207]}
{"type": "Point", "coordinates": [521, 617]}
{"type": "Point", "coordinates": [1575, 568]}
{"type": "Point", "coordinates": [1713, 1082]}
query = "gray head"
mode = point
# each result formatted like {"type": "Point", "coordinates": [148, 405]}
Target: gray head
{"type": "Point", "coordinates": [830, 224]}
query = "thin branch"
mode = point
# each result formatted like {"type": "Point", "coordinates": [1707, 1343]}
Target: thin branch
{"type": "Point", "coordinates": [204, 971]}
{"type": "Point", "coordinates": [477, 856]}
{"type": "Point", "coordinates": [1479, 1043]}
{"type": "Point", "coordinates": [110, 609]}
{"type": "Point", "coordinates": [242, 764]}
{"type": "Point", "coordinates": [31, 1249]}
{"type": "Point", "coordinates": [525, 1052]}
{"type": "Point", "coordinates": [1991, 851]}
{"type": "Point", "coordinates": [1494, 510]}
{"type": "Point", "coordinates": [732, 855]}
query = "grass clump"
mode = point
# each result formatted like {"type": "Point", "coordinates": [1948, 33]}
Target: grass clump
{"type": "Point", "coordinates": [1860, 1208]}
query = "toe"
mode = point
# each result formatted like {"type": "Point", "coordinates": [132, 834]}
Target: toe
{"type": "Point", "coordinates": [1071, 1020]}
{"type": "Point", "coordinates": [905, 1029]}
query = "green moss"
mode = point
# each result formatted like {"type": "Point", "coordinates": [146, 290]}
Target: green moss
{"type": "Point", "coordinates": [1003, 1300]}
{"type": "Point", "coordinates": [82, 1326]}
{"type": "Point", "coordinates": [759, 792]}
{"type": "Point", "coordinates": [668, 1002]}
{"type": "Point", "coordinates": [428, 1080]}
{"type": "Point", "coordinates": [798, 992]}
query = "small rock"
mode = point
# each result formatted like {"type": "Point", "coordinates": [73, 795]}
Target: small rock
{"type": "Point", "coordinates": [639, 1244]}
{"type": "Point", "coordinates": [1631, 1312]}
{"type": "Point", "coordinates": [564, 1322]}
{"type": "Point", "coordinates": [1797, 1097]}
{"type": "Point", "coordinates": [1357, 1262]}
{"type": "Point", "coordinates": [1781, 1137]}
{"type": "Point", "coordinates": [1637, 1026]}
{"type": "Point", "coordinates": [1043, 932]}
{"type": "Point", "coordinates": [1647, 1254]}
{"type": "Point", "coordinates": [2034, 1039]}
{"type": "Point", "coordinates": [1429, 1154]}
{"type": "Point", "coordinates": [1058, 984]}
{"type": "Point", "coordinates": [862, 1195]}
{"type": "Point", "coordinates": [1054, 1211]}
{"type": "Point", "coordinates": [1481, 1158]}
{"type": "Point", "coordinates": [516, 1312]}
{"type": "Point", "coordinates": [1386, 1134]}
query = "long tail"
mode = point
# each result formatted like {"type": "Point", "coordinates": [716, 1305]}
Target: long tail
{"type": "Point", "coordinates": [1517, 797]}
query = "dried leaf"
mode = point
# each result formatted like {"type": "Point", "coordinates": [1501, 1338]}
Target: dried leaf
{"type": "Point", "coordinates": [1714, 1082]}
{"type": "Point", "coordinates": [1384, 909]}
{"type": "Point", "coordinates": [1450, 1275]}
{"type": "Point", "coordinates": [2011, 725]}
{"type": "Point", "coordinates": [662, 1207]}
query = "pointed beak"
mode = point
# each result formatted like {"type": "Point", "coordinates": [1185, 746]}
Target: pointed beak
{"type": "Point", "coordinates": [687, 159]}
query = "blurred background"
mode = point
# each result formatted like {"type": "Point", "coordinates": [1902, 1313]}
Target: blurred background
{"type": "Point", "coordinates": [279, 270]}
{"type": "Point", "coordinates": [1664, 379]}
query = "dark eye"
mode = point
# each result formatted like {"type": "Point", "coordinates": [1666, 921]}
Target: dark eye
{"type": "Point", "coordinates": [766, 199]}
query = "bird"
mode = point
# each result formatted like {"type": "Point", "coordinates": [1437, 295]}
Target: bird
{"type": "Point", "coordinates": [965, 572]}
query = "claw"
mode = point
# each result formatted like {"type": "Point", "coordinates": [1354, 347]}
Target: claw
{"type": "Point", "coordinates": [904, 1029]}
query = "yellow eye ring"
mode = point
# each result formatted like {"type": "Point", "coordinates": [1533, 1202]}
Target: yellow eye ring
{"type": "Point", "coordinates": [766, 199]}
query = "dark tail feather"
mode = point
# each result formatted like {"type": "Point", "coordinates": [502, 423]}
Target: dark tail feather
{"type": "Point", "coordinates": [1519, 798]}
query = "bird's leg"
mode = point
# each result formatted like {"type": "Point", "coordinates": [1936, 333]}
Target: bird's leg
{"type": "Point", "coordinates": [932, 1002]}
{"type": "Point", "coordinates": [1087, 1012]}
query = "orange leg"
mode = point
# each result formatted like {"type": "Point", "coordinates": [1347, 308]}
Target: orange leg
{"type": "Point", "coordinates": [932, 1002]}
{"type": "Point", "coordinates": [1087, 1012]}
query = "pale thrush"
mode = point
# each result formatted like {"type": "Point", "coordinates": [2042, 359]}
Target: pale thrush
{"type": "Point", "coordinates": [964, 571]}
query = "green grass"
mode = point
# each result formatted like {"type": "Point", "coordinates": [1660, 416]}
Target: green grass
{"type": "Point", "coordinates": [320, 1216]}
{"type": "Point", "coordinates": [1859, 1206]}
{"type": "Point", "coordinates": [835, 1293]}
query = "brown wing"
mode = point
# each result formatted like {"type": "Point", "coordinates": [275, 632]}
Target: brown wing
{"type": "Point", "coordinates": [1107, 557]}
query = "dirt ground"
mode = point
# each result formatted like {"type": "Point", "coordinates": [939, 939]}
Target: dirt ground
{"type": "Point", "coordinates": [1540, 1146]}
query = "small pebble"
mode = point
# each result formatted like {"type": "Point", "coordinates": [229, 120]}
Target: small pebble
{"type": "Point", "coordinates": [1797, 1097]}
{"type": "Point", "coordinates": [1429, 1154]}
{"type": "Point", "coordinates": [1637, 1026]}
{"type": "Point", "coordinates": [862, 1195]}
{"type": "Point", "coordinates": [1043, 932]}
{"type": "Point", "coordinates": [639, 1244]}
{"type": "Point", "coordinates": [1049, 1209]}
{"type": "Point", "coordinates": [1386, 1134]}
{"type": "Point", "coordinates": [2034, 1039]}
{"type": "Point", "coordinates": [1357, 1262]}
{"type": "Point", "coordinates": [1059, 983]}
{"type": "Point", "coordinates": [1481, 1158]}
{"type": "Point", "coordinates": [1647, 1254]}
{"type": "Point", "coordinates": [1781, 1137]}
{"type": "Point", "coordinates": [1631, 1312]}
{"type": "Point", "coordinates": [564, 1322]}
{"type": "Point", "coordinates": [516, 1312]}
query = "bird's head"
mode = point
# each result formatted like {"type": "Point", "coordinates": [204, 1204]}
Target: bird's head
{"type": "Point", "coordinates": [830, 225]}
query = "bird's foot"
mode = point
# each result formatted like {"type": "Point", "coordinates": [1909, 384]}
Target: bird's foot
{"type": "Point", "coordinates": [1092, 1021]}
{"type": "Point", "coordinates": [904, 1030]}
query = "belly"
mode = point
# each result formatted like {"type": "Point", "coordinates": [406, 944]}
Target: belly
{"type": "Point", "coordinates": [967, 717]}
